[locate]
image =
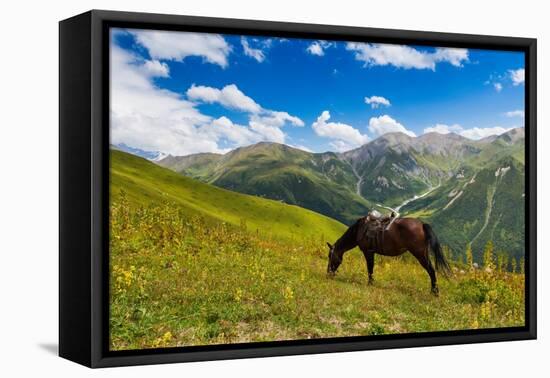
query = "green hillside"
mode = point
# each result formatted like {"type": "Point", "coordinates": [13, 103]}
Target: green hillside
{"type": "Point", "coordinates": [319, 182]}
{"type": "Point", "coordinates": [193, 264]}
{"type": "Point", "coordinates": [145, 183]}
{"type": "Point", "coordinates": [486, 204]}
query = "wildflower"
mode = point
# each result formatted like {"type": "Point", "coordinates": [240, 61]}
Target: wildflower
{"type": "Point", "coordinates": [288, 294]}
{"type": "Point", "coordinates": [238, 294]}
{"type": "Point", "coordinates": [163, 340]}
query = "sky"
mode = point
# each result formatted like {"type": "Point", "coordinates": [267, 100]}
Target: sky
{"type": "Point", "coordinates": [181, 93]}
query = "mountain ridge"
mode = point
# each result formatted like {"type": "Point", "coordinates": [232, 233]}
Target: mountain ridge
{"type": "Point", "coordinates": [390, 171]}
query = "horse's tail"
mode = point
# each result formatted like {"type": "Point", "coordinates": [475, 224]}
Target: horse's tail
{"type": "Point", "coordinates": [441, 263]}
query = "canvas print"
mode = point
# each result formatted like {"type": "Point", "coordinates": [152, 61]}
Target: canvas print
{"type": "Point", "coordinates": [269, 189]}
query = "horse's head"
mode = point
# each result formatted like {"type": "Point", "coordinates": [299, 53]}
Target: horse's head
{"type": "Point", "coordinates": [334, 260]}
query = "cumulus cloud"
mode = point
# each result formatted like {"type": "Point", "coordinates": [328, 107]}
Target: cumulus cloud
{"type": "Point", "coordinates": [376, 101]}
{"type": "Point", "coordinates": [341, 146]}
{"type": "Point", "coordinates": [176, 46]}
{"type": "Point", "coordinates": [402, 56]}
{"type": "Point", "coordinates": [315, 49]}
{"type": "Point", "coordinates": [444, 129]}
{"type": "Point", "coordinates": [386, 124]}
{"type": "Point", "coordinates": [156, 68]}
{"type": "Point", "coordinates": [318, 47]}
{"type": "Point", "coordinates": [473, 133]}
{"type": "Point", "coordinates": [301, 147]}
{"type": "Point", "coordinates": [517, 76]}
{"type": "Point", "coordinates": [229, 96]}
{"type": "Point", "coordinates": [277, 118]}
{"type": "Point", "coordinates": [452, 56]}
{"type": "Point", "coordinates": [264, 124]}
{"type": "Point", "coordinates": [148, 117]}
{"type": "Point", "coordinates": [479, 132]}
{"type": "Point", "coordinates": [155, 119]}
{"type": "Point", "coordinates": [223, 127]}
{"type": "Point", "coordinates": [268, 132]}
{"type": "Point", "coordinates": [515, 113]}
{"type": "Point", "coordinates": [262, 120]}
{"type": "Point", "coordinates": [257, 54]}
{"type": "Point", "coordinates": [342, 134]}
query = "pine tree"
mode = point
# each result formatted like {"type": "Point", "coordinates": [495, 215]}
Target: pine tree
{"type": "Point", "coordinates": [488, 258]}
{"type": "Point", "coordinates": [505, 261]}
{"type": "Point", "coordinates": [513, 264]}
{"type": "Point", "coordinates": [469, 256]}
{"type": "Point", "coordinates": [500, 261]}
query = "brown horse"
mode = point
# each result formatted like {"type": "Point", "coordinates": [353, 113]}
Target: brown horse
{"type": "Point", "coordinates": [404, 234]}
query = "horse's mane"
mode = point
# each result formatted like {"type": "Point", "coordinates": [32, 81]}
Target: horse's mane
{"type": "Point", "coordinates": [350, 236]}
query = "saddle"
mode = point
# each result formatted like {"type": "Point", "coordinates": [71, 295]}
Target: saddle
{"type": "Point", "coordinates": [375, 224]}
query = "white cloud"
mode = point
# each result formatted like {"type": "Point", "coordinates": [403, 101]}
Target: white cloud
{"type": "Point", "coordinates": [169, 45]}
{"type": "Point", "coordinates": [402, 56]}
{"type": "Point", "coordinates": [223, 127]}
{"type": "Point", "coordinates": [497, 86]}
{"type": "Point", "coordinates": [257, 54]}
{"type": "Point", "coordinates": [315, 49]}
{"type": "Point", "coordinates": [452, 56]}
{"type": "Point", "coordinates": [229, 96]}
{"type": "Point", "coordinates": [265, 120]}
{"type": "Point", "coordinates": [517, 76]}
{"type": "Point", "coordinates": [515, 113]}
{"type": "Point", "coordinates": [155, 119]}
{"type": "Point", "coordinates": [301, 147]}
{"type": "Point", "coordinates": [232, 97]}
{"type": "Point", "coordinates": [269, 133]}
{"type": "Point", "coordinates": [318, 47]}
{"type": "Point", "coordinates": [444, 129]}
{"type": "Point", "coordinates": [386, 124]}
{"type": "Point", "coordinates": [479, 133]}
{"type": "Point", "coordinates": [277, 119]}
{"type": "Point", "coordinates": [156, 68]}
{"type": "Point", "coordinates": [150, 118]}
{"type": "Point", "coordinates": [341, 133]}
{"type": "Point", "coordinates": [240, 135]}
{"type": "Point", "coordinates": [473, 133]}
{"type": "Point", "coordinates": [376, 101]}
{"type": "Point", "coordinates": [341, 146]}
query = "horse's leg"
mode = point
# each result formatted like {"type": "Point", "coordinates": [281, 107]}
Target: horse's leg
{"type": "Point", "coordinates": [369, 257]}
{"type": "Point", "coordinates": [424, 260]}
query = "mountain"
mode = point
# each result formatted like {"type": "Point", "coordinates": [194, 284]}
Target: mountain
{"type": "Point", "coordinates": [145, 184]}
{"type": "Point", "coordinates": [484, 201]}
{"type": "Point", "coordinates": [395, 166]}
{"type": "Point", "coordinates": [445, 179]}
{"type": "Point", "coordinates": [320, 182]}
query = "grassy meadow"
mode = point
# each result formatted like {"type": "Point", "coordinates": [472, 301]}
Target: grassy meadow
{"type": "Point", "coordinates": [193, 264]}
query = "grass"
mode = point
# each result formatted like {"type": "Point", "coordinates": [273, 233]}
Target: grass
{"type": "Point", "coordinates": [182, 276]}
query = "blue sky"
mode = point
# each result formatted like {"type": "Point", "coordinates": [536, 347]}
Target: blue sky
{"type": "Point", "coordinates": [183, 93]}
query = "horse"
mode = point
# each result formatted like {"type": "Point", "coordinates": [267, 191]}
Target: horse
{"type": "Point", "coordinates": [404, 234]}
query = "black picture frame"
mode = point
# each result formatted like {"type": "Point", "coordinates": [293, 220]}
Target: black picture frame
{"type": "Point", "coordinates": [84, 188]}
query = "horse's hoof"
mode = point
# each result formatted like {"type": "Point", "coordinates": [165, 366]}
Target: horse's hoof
{"type": "Point", "coordinates": [435, 291]}
{"type": "Point", "coordinates": [371, 281]}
